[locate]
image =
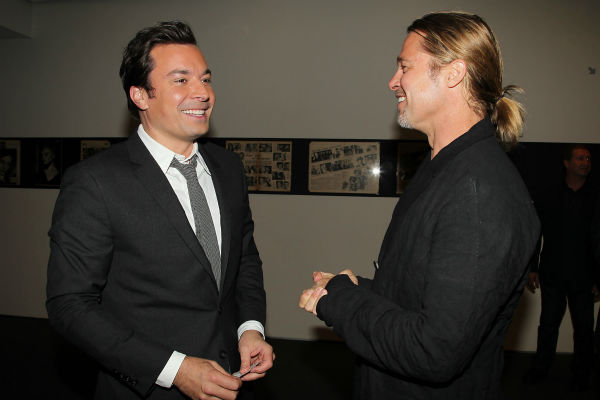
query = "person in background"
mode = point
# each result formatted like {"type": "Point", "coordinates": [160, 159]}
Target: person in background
{"type": "Point", "coordinates": [565, 272]}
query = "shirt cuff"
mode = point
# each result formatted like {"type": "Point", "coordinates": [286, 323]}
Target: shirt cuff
{"type": "Point", "coordinates": [251, 325]}
{"type": "Point", "coordinates": [167, 375]}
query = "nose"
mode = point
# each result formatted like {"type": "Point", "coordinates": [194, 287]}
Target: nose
{"type": "Point", "coordinates": [201, 90]}
{"type": "Point", "coordinates": [394, 83]}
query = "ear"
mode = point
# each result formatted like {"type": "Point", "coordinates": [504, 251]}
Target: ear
{"type": "Point", "coordinates": [457, 70]}
{"type": "Point", "coordinates": [139, 96]}
{"type": "Point", "coordinates": [566, 163]}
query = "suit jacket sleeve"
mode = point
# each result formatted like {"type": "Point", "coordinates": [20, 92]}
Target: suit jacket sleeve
{"type": "Point", "coordinates": [250, 293]}
{"type": "Point", "coordinates": [82, 244]}
{"type": "Point", "coordinates": [471, 274]}
{"type": "Point", "coordinates": [364, 283]}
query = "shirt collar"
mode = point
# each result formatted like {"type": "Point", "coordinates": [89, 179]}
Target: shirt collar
{"type": "Point", "coordinates": [480, 131]}
{"type": "Point", "coordinates": [164, 156]}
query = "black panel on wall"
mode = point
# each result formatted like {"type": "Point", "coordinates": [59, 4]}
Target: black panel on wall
{"type": "Point", "coordinates": [24, 162]}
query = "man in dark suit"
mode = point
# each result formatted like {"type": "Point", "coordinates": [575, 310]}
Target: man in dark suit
{"type": "Point", "coordinates": [432, 322]}
{"type": "Point", "coordinates": [161, 287]}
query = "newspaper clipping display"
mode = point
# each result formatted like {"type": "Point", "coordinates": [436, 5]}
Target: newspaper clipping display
{"type": "Point", "coordinates": [268, 164]}
{"type": "Point", "coordinates": [10, 154]}
{"type": "Point", "coordinates": [344, 167]}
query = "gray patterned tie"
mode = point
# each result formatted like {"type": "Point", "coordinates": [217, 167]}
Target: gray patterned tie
{"type": "Point", "coordinates": [205, 228]}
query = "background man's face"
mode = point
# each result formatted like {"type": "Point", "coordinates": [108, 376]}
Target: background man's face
{"type": "Point", "coordinates": [580, 163]}
{"type": "Point", "coordinates": [181, 101]}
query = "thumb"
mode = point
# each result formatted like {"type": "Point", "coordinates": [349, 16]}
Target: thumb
{"type": "Point", "coordinates": [245, 358]}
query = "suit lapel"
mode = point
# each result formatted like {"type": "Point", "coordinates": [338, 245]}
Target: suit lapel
{"type": "Point", "coordinates": [219, 179]}
{"type": "Point", "coordinates": [148, 172]}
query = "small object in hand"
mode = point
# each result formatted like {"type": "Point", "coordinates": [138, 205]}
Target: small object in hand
{"type": "Point", "coordinates": [239, 374]}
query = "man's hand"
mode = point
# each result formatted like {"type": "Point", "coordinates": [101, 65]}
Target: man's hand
{"type": "Point", "coordinates": [254, 350]}
{"type": "Point", "coordinates": [205, 379]}
{"type": "Point", "coordinates": [310, 297]}
{"type": "Point", "coordinates": [534, 281]}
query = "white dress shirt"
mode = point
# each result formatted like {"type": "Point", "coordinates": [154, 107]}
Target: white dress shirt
{"type": "Point", "coordinates": [163, 158]}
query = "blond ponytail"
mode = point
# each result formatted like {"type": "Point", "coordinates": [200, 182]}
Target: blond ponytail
{"type": "Point", "coordinates": [508, 116]}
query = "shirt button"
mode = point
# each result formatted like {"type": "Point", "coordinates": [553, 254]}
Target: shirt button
{"type": "Point", "coordinates": [223, 354]}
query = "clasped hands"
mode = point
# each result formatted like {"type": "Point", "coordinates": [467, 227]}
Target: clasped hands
{"type": "Point", "coordinates": [200, 378]}
{"type": "Point", "coordinates": [311, 296]}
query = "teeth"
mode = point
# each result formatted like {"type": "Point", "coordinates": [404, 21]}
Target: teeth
{"type": "Point", "coordinates": [193, 112]}
{"type": "Point", "coordinates": [401, 99]}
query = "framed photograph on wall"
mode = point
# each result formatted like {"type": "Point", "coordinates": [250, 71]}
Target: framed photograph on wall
{"type": "Point", "coordinates": [10, 162]}
{"type": "Point", "coordinates": [48, 162]}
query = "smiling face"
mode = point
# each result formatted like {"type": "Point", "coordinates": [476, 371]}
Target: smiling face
{"type": "Point", "coordinates": [580, 163]}
{"type": "Point", "coordinates": [178, 108]}
{"type": "Point", "coordinates": [415, 86]}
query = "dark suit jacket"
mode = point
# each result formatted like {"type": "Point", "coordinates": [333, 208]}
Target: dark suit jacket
{"type": "Point", "coordinates": [128, 281]}
{"type": "Point", "coordinates": [452, 266]}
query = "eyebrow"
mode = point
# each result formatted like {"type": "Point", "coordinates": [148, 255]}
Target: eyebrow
{"type": "Point", "coordinates": [187, 72]}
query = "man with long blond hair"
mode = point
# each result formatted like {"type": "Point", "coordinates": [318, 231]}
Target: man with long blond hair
{"type": "Point", "coordinates": [432, 322]}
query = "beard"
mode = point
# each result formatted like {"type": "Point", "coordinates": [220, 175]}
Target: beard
{"type": "Point", "coordinates": [403, 120]}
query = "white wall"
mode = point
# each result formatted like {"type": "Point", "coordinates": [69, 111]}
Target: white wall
{"type": "Point", "coordinates": [282, 68]}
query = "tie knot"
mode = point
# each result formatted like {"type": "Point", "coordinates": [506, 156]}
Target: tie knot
{"type": "Point", "coordinates": [188, 170]}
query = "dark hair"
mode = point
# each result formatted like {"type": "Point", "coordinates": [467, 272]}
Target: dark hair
{"type": "Point", "coordinates": [569, 149]}
{"type": "Point", "coordinates": [452, 35]}
{"type": "Point", "coordinates": [137, 64]}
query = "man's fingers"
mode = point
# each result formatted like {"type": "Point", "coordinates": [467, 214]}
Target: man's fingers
{"type": "Point", "coordinates": [224, 382]}
{"type": "Point", "coordinates": [311, 304]}
{"type": "Point", "coordinates": [220, 384]}
{"type": "Point", "coordinates": [252, 376]}
{"type": "Point", "coordinates": [220, 392]}
{"type": "Point", "coordinates": [309, 300]}
{"type": "Point", "coordinates": [202, 379]}
{"type": "Point", "coordinates": [304, 297]}
{"type": "Point", "coordinates": [245, 357]}
{"type": "Point", "coordinates": [319, 275]}
{"type": "Point", "coordinates": [310, 297]}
